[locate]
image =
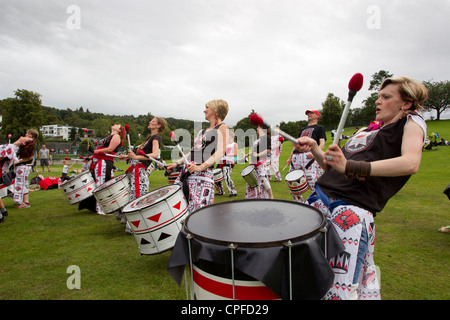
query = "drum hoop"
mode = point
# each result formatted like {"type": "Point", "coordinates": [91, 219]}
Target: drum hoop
{"type": "Point", "coordinates": [178, 187]}
{"type": "Point", "coordinates": [285, 176]}
{"type": "Point", "coordinates": [254, 244]}
{"type": "Point", "coordinates": [75, 178]}
{"type": "Point", "coordinates": [246, 168]}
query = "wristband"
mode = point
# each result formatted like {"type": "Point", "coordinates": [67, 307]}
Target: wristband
{"type": "Point", "coordinates": [360, 169]}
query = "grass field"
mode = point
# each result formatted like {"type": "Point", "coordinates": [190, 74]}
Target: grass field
{"type": "Point", "coordinates": [38, 244]}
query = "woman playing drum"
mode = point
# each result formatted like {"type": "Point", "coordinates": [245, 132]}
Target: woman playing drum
{"type": "Point", "coordinates": [140, 162]}
{"type": "Point", "coordinates": [209, 147]}
{"type": "Point", "coordinates": [258, 158]}
{"type": "Point", "coordinates": [24, 148]}
{"type": "Point", "coordinates": [361, 177]}
{"type": "Point", "coordinates": [102, 161]}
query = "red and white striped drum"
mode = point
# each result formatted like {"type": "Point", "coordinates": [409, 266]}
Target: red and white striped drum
{"type": "Point", "coordinates": [172, 176]}
{"type": "Point", "coordinates": [297, 182]}
{"type": "Point", "coordinates": [237, 245]}
{"type": "Point", "coordinates": [218, 175]}
{"type": "Point", "coordinates": [78, 188]}
{"type": "Point", "coordinates": [155, 219]}
{"type": "Point", "coordinates": [114, 194]}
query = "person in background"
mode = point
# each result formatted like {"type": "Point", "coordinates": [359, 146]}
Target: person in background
{"type": "Point", "coordinates": [304, 160]}
{"type": "Point", "coordinates": [44, 156]}
{"type": "Point", "coordinates": [276, 147]}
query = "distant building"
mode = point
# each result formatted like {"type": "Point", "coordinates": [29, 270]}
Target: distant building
{"type": "Point", "coordinates": [59, 131]}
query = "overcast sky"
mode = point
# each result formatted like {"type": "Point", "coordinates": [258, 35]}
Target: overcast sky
{"type": "Point", "coordinates": [169, 57]}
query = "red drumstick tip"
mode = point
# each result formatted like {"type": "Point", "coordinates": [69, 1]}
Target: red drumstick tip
{"type": "Point", "coordinates": [256, 119]}
{"type": "Point", "coordinates": [127, 128]}
{"type": "Point", "coordinates": [86, 130]}
{"type": "Point", "coordinates": [356, 82]}
{"type": "Point", "coordinates": [173, 136]}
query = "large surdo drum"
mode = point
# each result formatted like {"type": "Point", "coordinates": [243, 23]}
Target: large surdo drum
{"type": "Point", "coordinates": [255, 249]}
{"type": "Point", "coordinates": [156, 217]}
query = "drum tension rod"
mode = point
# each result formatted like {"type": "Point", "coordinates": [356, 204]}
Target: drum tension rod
{"type": "Point", "coordinates": [189, 237]}
{"type": "Point", "coordinates": [289, 246]}
{"type": "Point", "coordinates": [231, 246]}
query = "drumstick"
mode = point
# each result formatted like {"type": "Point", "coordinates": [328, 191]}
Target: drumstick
{"type": "Point", "coordinates": [141, 153]}
{"type": "Point", "coordinates": [127, 129]}
{"type": "Point", "coordinates": [173, 137]}
{"type": "Point", "coordinates": [87, 138]}
{"type": "Point", "coordinates": [355, 84]}
{"type": "Point", "coordinates": [257, 120]}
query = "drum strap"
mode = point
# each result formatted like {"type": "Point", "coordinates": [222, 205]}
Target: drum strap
{"type": "Point", "coordinates": [135, 168]}
{"type": "Point", "coordinates": [318, 194]}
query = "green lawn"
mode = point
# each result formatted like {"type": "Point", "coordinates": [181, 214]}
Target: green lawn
{"type": "Point", "coordinates": [38, 244]}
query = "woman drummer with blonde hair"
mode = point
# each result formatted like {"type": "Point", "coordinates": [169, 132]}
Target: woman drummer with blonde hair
{"type": "Point", "coordinates": [209, 147]}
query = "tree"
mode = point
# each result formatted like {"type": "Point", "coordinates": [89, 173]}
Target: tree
{"type": "Point", "coordinates": [331, 112]}
{"type": "Point", "coordinates": [21, 113]}
{"type": "Point", "coordinates": [438, 96]}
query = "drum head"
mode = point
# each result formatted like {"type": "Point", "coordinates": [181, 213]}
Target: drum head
{"type": "Point", "coordinates": [151, 198]}
{"type": "Point", "coordinates": [111, 182]}
{"type": "Point", "coordinates": [294, 175]}
{"type": "Point", "coordinates": [78, 176]}
{"type": "Point", "coordinates": [254, 223]}
{"type": "Point", "coordinates": [247, 170]}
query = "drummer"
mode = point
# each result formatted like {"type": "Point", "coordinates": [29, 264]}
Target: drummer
{"type": "Point", "coordinates": [300, 160]}
{"type": "Point", "coordinates": [361, 177]}
{"type": "Point", "coordinates": [140, 159]}
{"type": "Point", "coordinates": [24, 148]}
{"type": "Point", "coordinates": [258, 157]}
{"type": "Point", "coordinates": [209, 147]}
{"type": "Point", "coordinates": [103, 160]}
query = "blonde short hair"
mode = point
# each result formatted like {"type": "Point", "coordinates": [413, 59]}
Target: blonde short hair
{"type": "Point", "coordinates": [410, 90]}
{"type": "Point", "coordinates": [220, 107]}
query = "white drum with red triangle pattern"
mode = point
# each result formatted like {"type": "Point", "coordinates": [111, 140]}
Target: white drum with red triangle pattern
{"type": "Point", "coordinates": [114, 194]}
{"type": "Point", "coordinates": [78, 188]}
{"type": "Point", "coordinates": [156, 218]}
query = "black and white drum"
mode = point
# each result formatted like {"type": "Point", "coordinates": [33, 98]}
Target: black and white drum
{"type": "Point", "coordinates": [78, 188]}
{"type": "Point", "coordinates": [296, 182]}
{"type": "Point", "coordinates": [254, 249]}
{"type": "Point", "coordinates": [218, 175]}
{"type": "Point", "coordinates": [114, 194]}
{"type": "Point", "coordinates": [249, 175]}
{"type": "Point", "coordinates": [156, 218]}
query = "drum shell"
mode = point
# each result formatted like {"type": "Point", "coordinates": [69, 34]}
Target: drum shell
{"type": "Point", "coordinates": [210, 283]}
{"type": "Point", "coordinates": [249, 175]}
{"type": "Point", "coordinates": [173, 176]}
{"type": "Point", "coordinates": [218, 175]}
{"type": "Point", "coordinates": [114, 194]}
{"type": "Point", "coordinates": [297, 182]}
{"type": "Point", "coordinates": [156, 227]}
{"type": "Point", "coordinates": [78, 188]}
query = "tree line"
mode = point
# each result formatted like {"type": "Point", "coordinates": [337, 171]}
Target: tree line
{"type": "Point", "coordinates": [25, 110]}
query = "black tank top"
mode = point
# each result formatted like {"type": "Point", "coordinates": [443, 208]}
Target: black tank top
{"type": "Point", "coordinates": [205, 145]}
{"type": "Point", "coordinates": [373, 193]}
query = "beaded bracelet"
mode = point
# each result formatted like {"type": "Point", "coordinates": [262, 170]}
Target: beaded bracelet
{"type": "Point", "coordinates": [360, 169]}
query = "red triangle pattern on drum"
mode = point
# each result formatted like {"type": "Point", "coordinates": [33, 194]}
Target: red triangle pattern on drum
{"type": "Point", "coordinates": [77, 195]}
{"type": "Point", "coordinates": [177, 206]}
{"type": "Point", "coordinates": [136, 223]}
{"type": "Point", "coordinates": [155, 218]}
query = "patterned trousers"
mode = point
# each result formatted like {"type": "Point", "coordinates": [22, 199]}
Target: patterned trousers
{"type": "Point", "coordinates": [201, 189]}
{"type": "Point", "coordinates": [259, 192]}
{"type": "Point", "coordinates": [354, 269]}
{"type": "Point", "coordinates": [21, 187]}
{"type": "Point", "coordinates": [227, 171]}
